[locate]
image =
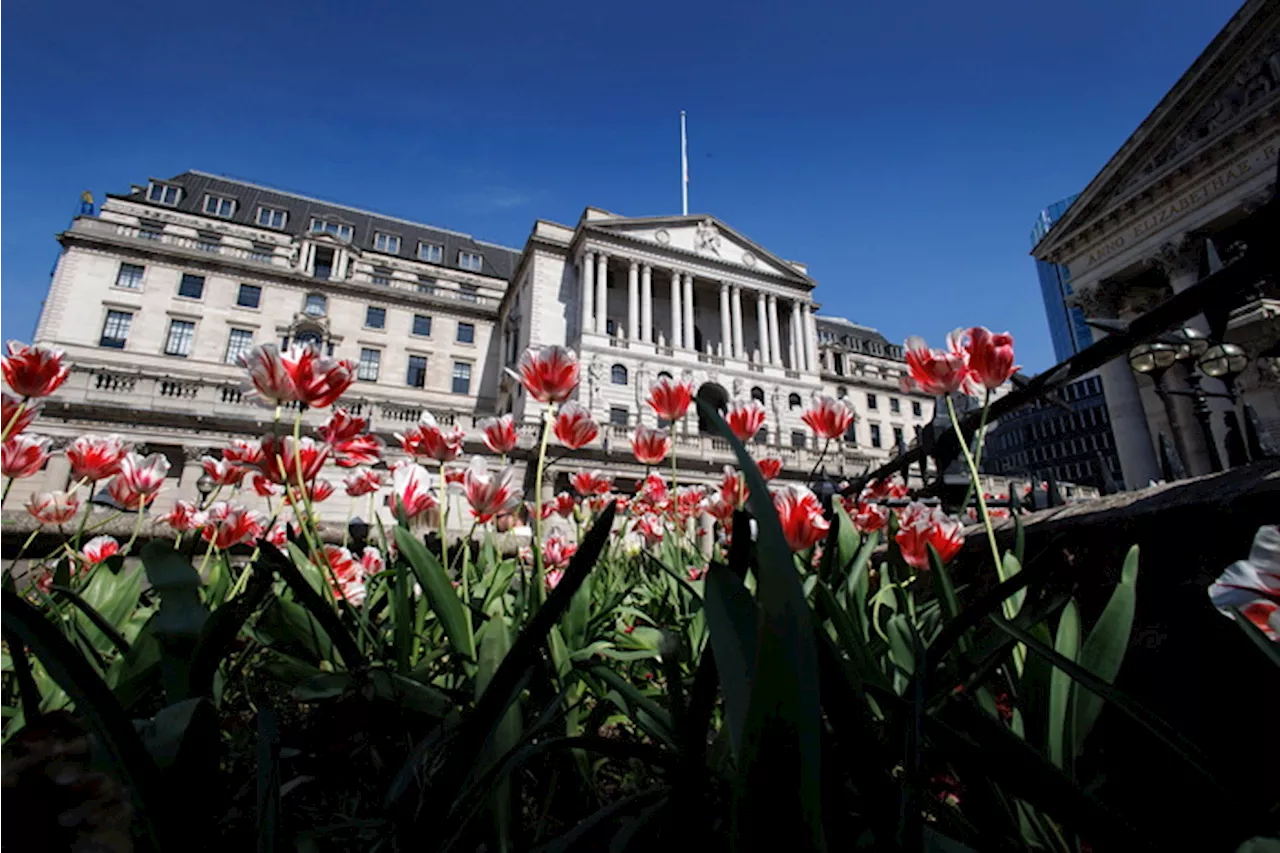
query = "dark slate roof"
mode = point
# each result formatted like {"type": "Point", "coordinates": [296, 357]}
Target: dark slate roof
{"type": "Point", "coordinates": [499, 261]}
{"type": "Point", "coordinates": [847, 327]}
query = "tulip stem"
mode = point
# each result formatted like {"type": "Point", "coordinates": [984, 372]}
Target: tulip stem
{"type": "Point", "coordinates": [982, 501]}
{"type": "Point", "coordinates": [17, 416]}
{"type": "Point", "coordinates": [444, 520]}
{"type": "Point", "coordinates": [88, 509]}
{"type": "Point", "coordinates": [539, 569]}
{"type": "Point", "coordinates": [8, 484]}
{"type": "Point", "coordinates": [825, 446]}
{"type": "Point", "coordinates": [137, 526]}
{"type": "Point", "coordinates": [26, 544]}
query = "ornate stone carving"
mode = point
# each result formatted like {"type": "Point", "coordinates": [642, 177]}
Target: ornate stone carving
{"type": "Point", "coordinates": [1178, 256]}
{"type": "Point", "coordinates": [739, 388]}
{"type": "Point", "coordinates": [595, 377]}
{"type": "Point", "coordinates": [1110, 299]}
{"type": "Point", "coordinates": [707, 238]}
{"type": "Point", "coordinates": [642, 385]}
{"type": "Point", "coordinates": [194, 453]}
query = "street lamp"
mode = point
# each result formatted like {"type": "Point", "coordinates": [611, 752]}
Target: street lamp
{"type": "Point", "coordinates": [1225, 362]}
{"type": "Point", "coordinates": [205, 486]}
{"type": "Point", "coordinates": [1153, 359]}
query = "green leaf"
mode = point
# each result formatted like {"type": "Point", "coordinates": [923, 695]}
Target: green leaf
{"type": "Point", "coordinates": [113, 597]}
{"type": "Point", "coordinates": [220, 632]}
{"type": "Point", "coordinates": [441, 595]}
{"type": "Point", "coordinates": [661, 725]}
{"type": "Point", "coordinates": [320, 610]}
{"type": "Point", "coordinates": [1105, 646]}
{"type": "Point", "coordinates": [28, 692]}
{"type": "Point", "coordinates": [731, 616]}
{"type": "Point", "coordinates": [182, 614]}
{"type": "Point", "coordinates": [847, 544]}
{"type": "Point", "coordinates": [901, 644]}
{"type": "Point", "coordinates": [1012, 565]}
{"type": "Point", "coordinates": [93, 624]}
{"type": "Point", "coordinates": [495, 642]}
{"type": "Point", "coordinates": [1066, 644]}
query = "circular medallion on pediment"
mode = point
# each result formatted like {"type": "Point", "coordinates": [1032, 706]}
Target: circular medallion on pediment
{"type": "Point", "coordinates": [748, 259]}
{"type": "Point", "coordinates": [663, 236]}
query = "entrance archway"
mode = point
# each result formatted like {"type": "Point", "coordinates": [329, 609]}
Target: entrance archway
{"type": "Point", "coordinates": [715, 396]}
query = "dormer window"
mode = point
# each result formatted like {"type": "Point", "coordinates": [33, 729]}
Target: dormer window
{"type": "Point", "coordinates": [164, 194]}
{"type": "Point", "coordinates": [470, 261]}
{"type": "Point", "coordinates": [430, 252]}
{"type": "Point", "coordinates": [326, 226]}
{"type": "Point", "coordinates": [272, 217]}
{"type": "Point", "coordinates": [388, 243]}
{"type": "Point", "coordinates": [215, 205]}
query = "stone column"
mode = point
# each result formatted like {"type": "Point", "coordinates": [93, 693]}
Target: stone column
{"type": "Point", "coordinates": [677, 326]}
{"type": "Point", "coordinates": [738, 351]}
{"type": "Point", "coordinates": [793, 331]}
{"type": "Point", "coordinates": [726, 323]}
{"type": "Point", "coordinates": [588, 280]}
{"type": "Point", "coordinates": [762, 327]}
{"type": "Point", "coordinates": [633, 301]}
{"type": "Point", "coordinates": [808, 337]}
{"type": "Point", "coordinates": [775, 346]}
{"type": "Point", "coordinates": [602, 293]}
{"type": "Point", "coordinates": [646, 303]}
{"type": "Point", "coordinates": [687, 312]}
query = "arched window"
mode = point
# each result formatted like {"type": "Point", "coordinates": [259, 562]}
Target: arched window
{"type": "Point", "coordinates": [315, 305]}
{"type": "Point", "coordinates": [662, 374]}
{"type": "Point", "coordinates": [794, 401]}
{"type": "Point", "coordinates": [619, 374]}
{"type": "Point", "coordinates": [309, 338]}
{"type": "Point", "coordinates": [757, 393]}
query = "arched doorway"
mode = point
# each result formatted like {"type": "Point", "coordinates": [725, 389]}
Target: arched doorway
{"type": "Point", "coordinates": [715, 396]}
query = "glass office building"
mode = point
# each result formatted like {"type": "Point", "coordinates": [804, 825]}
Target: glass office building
{"type": "Point", "coordinates": [1067, 327]}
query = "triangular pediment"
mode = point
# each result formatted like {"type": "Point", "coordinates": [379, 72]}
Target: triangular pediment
{"type": "Point", "coordinates": [1233, 82]}
{"type": "Point", "coordinates": [705, 237]}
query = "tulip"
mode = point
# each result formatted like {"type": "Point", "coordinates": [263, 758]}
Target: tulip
{"type": "Point", "coordinates": [228, 524]}
{"type": "Point", "coordinates": [553, 577]}
{"type": "Point", "coordinates": [770, 467]}
{"type": "Point", "coordinates": [990, 357]}
{"type": "Point", "coordinates": [920, 526]}
{"type": "Point", "coordinates": [427, 440]}
{"type": "Point", "coordinates": [718, 507]}
{"type": "Point", "coordinates": [597, 504]}
{"type": "Point", "coordinates": [828, 417]}
{"type": "Point", "coordinates": [95, 457]}
{"type": "Point", "coordinates": [500, 434]}
{"type": "Point", "coordinates": [289, 460]}
{"type": "Point", "coordinates": [733, 489]}
{"type": "Point", "coordinates": [371, 560]}
{"type": "Point", "coordinates": [933, 371]}
{"type": "Point", "coordinates": [574, 426]}
{"type": "Point", "coordinates": [33, 371]}
{"type": "Point", "coordinates": [670, 399]}
{"type": "Point", "coordinates": [262, 487]}
{"type": "Point", "coordinates": [222, 472]}
{"type": "Point", "coordinates": [53, 507]}
{"type": "Point", "coordinates": [362, 482]}
{"type": "Point", "coordinates": [184, 516]}
{"type": "Point", "coordinates": [870, 517]}
{"type": "Point", "coordinates": [244, 452]}
{"type": "Point", "coordinates": [318, 380]}
{"type": "Point", "coordinates": [591, 483]}
{"type": "Point", "coordinates": [549, 375]}
{"type": "Point", "coordinates": [17, 415]}
{"type": "Point", "coordinates": [878, 490]}
{"type": "Point", "coordinates": [97, 549]}
{"type": "Point", "coordinates": [557, 551]}
{"type": "Point", "coordinates": [1252, 585]}
{"type": "Point", "coordinates": [411, 490]}
{"type": "Point", "coordinates": [801, 516]}
{"type": "Point", "coordinates": [317, 490]}
{"type": "Point", "coordinates": [650, 446]}
{"type": "Point", "coordinates": [455, 477]}
{"type": "Point", "coordinates": [346, 576]}
{"type": "Point", "coordinates": [268, 373]}
{"type": "Point", "coordinates": [562, 505]}
{"type": "Point", "coordinates": [652, 528]}
{"type": "Point", "coordinates": [696, 573]}
{"type": "Point", "coordinates": [745, 418]}
{"type": "Point", "coordinates": [23, 455]}
{"type": "Point", "coordinates": [490, 494]}
{"type": "Point", "coordinates": [278, 535]}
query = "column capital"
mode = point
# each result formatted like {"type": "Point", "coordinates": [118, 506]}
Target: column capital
{"type": "Point", "coordinates": [1178, 256]}
{"type": "Point", "coordinates": [635, 265]}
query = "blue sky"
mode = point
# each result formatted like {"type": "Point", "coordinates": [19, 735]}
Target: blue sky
{"type": "Point", "coordinates": [901, 150]}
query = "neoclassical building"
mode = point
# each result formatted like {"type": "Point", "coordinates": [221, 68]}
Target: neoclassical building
{"type": "Point", "coordinates": [157, 294]}
{"type": "Point", "coordinates": [1196, 170]}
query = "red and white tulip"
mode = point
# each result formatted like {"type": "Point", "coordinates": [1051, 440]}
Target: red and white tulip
{"type": "Point", "coordinates": [745, 418]}
{"type": "Point", "coordinates": [22, 455]}
{"type": "Point", "coordinates": [800, 512]}
{"type": "Point", "coordinates": [591, 483]}
{"type": "Point", "coordinates": [574, 427]}
{"type": "Point", "coordinates": [670, 399]}
{"type": "Point", "coordinates": [428, 440]}
{"type": "Point", "coordinates": [53, 507]}
{"type": "Point", "coordinates": [550, 375]}
{"type": "Point", "coordinates": [33, 371]}
{"type": "Point", "coordinates": [937, 372]}
{"type": "Point", "coordinates": [649, 445]}
{"type": "Point", "coordinates": [499, 434]}
{"type": "Point", "coordinates": [490, 493]}
{"type": "Point", "coordinates": [920, 526]}
{"type": "Point", "coordinates": [828, 417]}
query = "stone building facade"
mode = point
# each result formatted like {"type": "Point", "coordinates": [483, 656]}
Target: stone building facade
{"type": "Point", "coordinates": [155, 297]}
{"type": "Point", "coordinates": [1196, 170]}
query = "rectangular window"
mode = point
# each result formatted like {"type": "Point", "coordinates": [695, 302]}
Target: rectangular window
{"type": "Point", "coordinates": [382, 276]}
{"type": "Point", "coordinates": [430, 252]}
{"type": "Point", "coordinates": [239, 342]}
{"type": "Point", "coordinates": [115, 331]}
{"type": "Point", "coordinates": [618, 416]}
{"type": "Point", "coordinates": [262, 253]}
{"type": "Point", "coordinates": [426, 285]}
{"type": "Point", "coordinates": [875, 435]}
{"type": "Point", "coordinates": [798, 437]}
{"type": "Point", "coordinates": [375, 318]}
{"type": "Point", "coordinates": [851, 434]}
{"type": "Point", "coordinates": [895, 405]}
{"type": "Point", "coordinates": [897, 437]}
{"type": "Point", "coordinates": [370, 362]}
{"type": "Point", "coordinates": [218, 206]}
{"type": "Point", "coordinates": [181, 333]}
{"type": "Point", "coordinates": [191, 286]}
{"type": "Point", "coordinates": [325, 226]}
{"type": "Point", "coordinates": [916, 410]}
{"type": "Point", "coordinates": [388, 243]}
{"type": "Point", "coordinates": [466, 333]}
{"type": "Point", "coordinates": [417, 375]}
{"type": "Point", "coordinates": [872, 402]}
{"type": "Point", "coordinates": [207, 242]}
{"type": "Point", "coordinates": [422, 325]}
{"type": "Point", "coordinates": [461, 377]}
{"type": "Point", "coordinates": [130, 276]}
{"type": "Point", "coordinates": [250, 296]}
{"type": "Point", "coordinates": [164, 194]}
{"type": "Point", "coordinates": [315, 305]}
{"type": "Point", "coordinates": [467, 292]}
{"type": "Point", "coordinates": [272, 217]}
{"type": "Point", "coordinates": [470, 261]}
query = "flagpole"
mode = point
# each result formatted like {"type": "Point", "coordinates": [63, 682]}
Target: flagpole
{"type": "Point", "coordinates": [684, 167]}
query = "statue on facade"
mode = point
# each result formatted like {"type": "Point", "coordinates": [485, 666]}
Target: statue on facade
{"type": "Point", "coordinates": [595, 378]}
{"type": "Point", "coordinates": [739, 388]}
{"type": "Point", "coordinates": [707, 238]}
{"type": "Point", "coordinates": [642, 385]}
{"type": "Point", "coordinates": [775, 401]}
